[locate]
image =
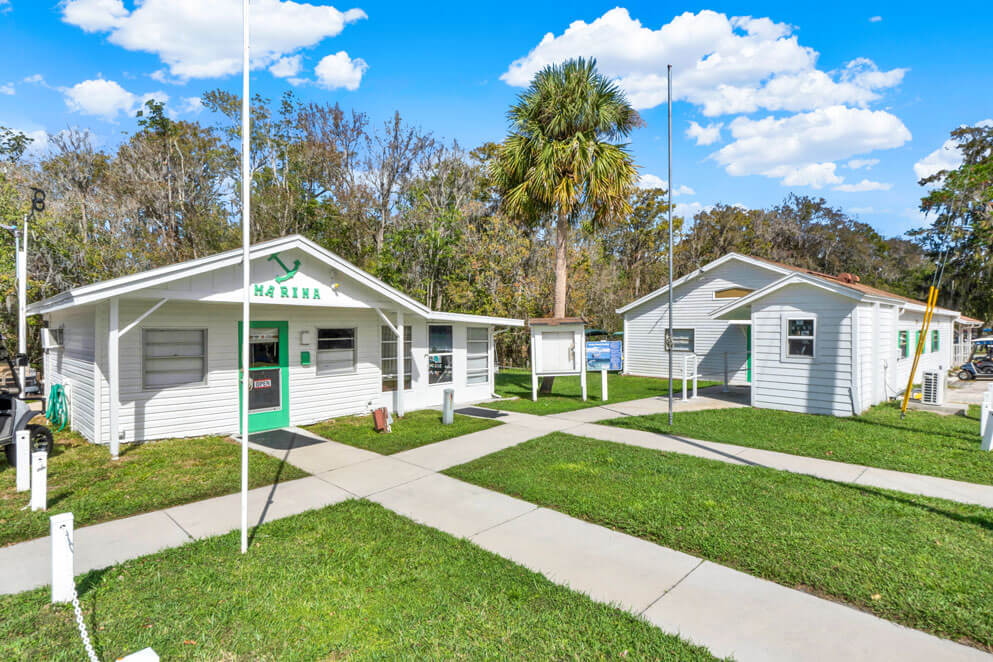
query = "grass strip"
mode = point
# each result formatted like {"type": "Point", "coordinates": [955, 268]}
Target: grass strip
{"type": "Point", "coordinates": [918, 561]}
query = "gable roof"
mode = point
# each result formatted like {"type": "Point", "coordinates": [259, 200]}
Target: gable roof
{"type": "Point", "coordinates": [107, 289]}
{"type": "Point", "coordinates": [747, 259]}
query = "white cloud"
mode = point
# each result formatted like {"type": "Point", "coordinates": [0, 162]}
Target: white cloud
{"type": "Point", "coordinates": [875, 19]}
{"type": "Point", "coordinates": [34, 78]}
{"type": "Point", "coordinates": [705, 135]}
{"type": "Point", "coordinates": [654, 181]}
{"type": "Point", "coordinates": [286, 67]}
{"type": "Point", "coordinates": [800, 149]}
{"type": "Point", "coordinates": [862, 210]}
{"type": "Point", "coordinates": [689, 209]}
{"type": "Point", "coordinates": [106, 98]}
{"type": "Point", "coordinates": [339, 70]}
{"type": "Point", "coordinates": [196, 39]}
{"type": "Point", "coordinates": [724, 64]}
{"type": "Point", "coordinates": [191, 105]}
{"type": "Point", "coordinates": [7, 88]}
{"type": "Point", "coordinates": [864, 185]}
{"type": "Point", "coordinates": [946, 157]}
{"type": "Point", "coordinates": [4, 6]}
{"type": "Point", "coordinates": [856, 164]}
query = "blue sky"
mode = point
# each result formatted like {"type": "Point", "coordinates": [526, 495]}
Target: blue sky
{"type": "Point", "coordinates": [841, 101]}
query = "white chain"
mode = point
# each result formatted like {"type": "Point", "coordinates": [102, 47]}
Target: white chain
{"type": "Point", "coordinates": [83, 634]}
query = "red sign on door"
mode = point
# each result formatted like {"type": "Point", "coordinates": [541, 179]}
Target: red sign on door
{"type": "Point", "coordinates": [261, 383]}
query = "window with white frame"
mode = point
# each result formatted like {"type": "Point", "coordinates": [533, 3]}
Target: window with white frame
{"type": "Point", "coordinates": [903, 344]}
{"type": "Point", "coordinates": [440, 354]}
{"type": "Point", "coordinates": [173, 357]}
{"type": "Point", "coordinates": [800, 337]}
{"type": "Point", "coordinates": [336, 351]}
{"type": "Point", "coordinates": [477, 355]}
{"type": "Point", "coordinates": [388, 358]}
{"type": "Point", "coordinates": [683, 340]}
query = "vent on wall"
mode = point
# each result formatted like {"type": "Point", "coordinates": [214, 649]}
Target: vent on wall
{"type": "Point", "coordinates": [732, 293]}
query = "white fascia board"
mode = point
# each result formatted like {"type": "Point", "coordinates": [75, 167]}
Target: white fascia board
{"type": "Point", "coordinates": [693, 274]}
{"type": "Point", "coordinates": [474, 319]}
{"type": "Point", "coordinates": [163, 275]}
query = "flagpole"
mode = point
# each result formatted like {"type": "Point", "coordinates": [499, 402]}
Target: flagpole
{"type": "Point", "coordinates": [669, 195]}
{"type": "Point", "coordinates": [246, 222]}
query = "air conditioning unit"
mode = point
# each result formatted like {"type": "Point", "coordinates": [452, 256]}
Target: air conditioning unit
{"type": "Point", "coordinates": [932, 387]}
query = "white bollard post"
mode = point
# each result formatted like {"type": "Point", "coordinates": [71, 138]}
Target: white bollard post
{"type": "Point", "coordinates": [984, 411]}
{"type": "Point", "coordinates": [39, 480]}
{"type": "Point", "coordinates": [23, 440]}
{"type": "Point", "coordinates": [988, 435]}
{"type": "Point", "coordinates": [684, 378]}
{"type": "Point", "coordinates": [603, 384]}
{"type": "Point", "coordinates": [63, 567]}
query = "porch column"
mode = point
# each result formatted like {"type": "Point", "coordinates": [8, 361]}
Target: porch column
{"type": "Point", "coordinates": [113, 360]}
{"type": "Point", "coordinates": [400, 366]}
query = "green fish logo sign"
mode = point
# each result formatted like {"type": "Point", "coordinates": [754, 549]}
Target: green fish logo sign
{"type": "Point", "coordinates": [290, 273]}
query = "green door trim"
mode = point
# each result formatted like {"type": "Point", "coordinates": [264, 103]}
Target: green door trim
{"type": "Point", "coordinates": [269, 420]}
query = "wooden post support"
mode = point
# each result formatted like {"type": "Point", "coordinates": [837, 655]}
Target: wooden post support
{"type": "Point", "coordinates": [603, 384]}
{"type": "Point", "coordinates": [62, 536]}
{"type": "Point", "coordinates": [39, 480]}
{"type": "Point", "coordinates": [984, 412]}
{"type": "Point", "coordinates": [22, 439]}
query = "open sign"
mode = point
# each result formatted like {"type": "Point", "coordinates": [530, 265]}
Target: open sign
{"type": "Point", "coordinates": [261, 383]}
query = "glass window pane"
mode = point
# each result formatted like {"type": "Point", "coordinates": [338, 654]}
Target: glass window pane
{"type": "Point", "coordinates": [476, 363]}
{"type": "Point", "coordinates": [801, 347]}
{"type": "Point", "coordinates": [476, 378]}
{"type": "Point", "coordinates": [682, 340]}
{"type": "Point", "coordinates": [801, 328]}
{"type": "Point", "coordinates": [478, 334]}
{"type": "Point", "coordinates": [440, 368]}
{"type": "Point", "coordinates": [440, 339]}
{"type": "Point", "coordinates": [173, 357]}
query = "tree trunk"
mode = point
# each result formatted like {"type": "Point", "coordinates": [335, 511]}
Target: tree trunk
{"type": "Point", "coordinates": [561, 266]}
{"type": "Point", "coordinates": [561, 280]}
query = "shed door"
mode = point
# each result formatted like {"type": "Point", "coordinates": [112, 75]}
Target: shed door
{"type": "Point", "coordinates": [558, 351]}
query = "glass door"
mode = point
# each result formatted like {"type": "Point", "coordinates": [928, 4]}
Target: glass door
{"type": "Point", "coordinates": [268, 370]}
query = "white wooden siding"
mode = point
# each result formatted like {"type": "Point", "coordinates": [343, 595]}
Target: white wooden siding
{"type": "Point", "coordinates": [74, 363]}
{"type": "Point", "coordinates": [212, 408]}
{"type": "Point", "coordinates": [644, 326]}
{"type": "Point", "coordinates": [816, 386]}
{"type": "Point", "coordinates": [910, 321]}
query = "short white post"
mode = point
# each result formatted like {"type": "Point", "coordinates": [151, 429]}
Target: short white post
{"type": "Point", "coordinates": [23, 440]}
{"type": "Point", "coordinates": [63, 546]}
{"type": "Point", "coordinates": [684, 377]}
{"type": "Point", "coordinates": [603, 384]}
{"type": "Point", "coordinates": [725, 389]}
{"type": "Point", "coordinates": [988, 434]}
{"type": "Point", "coordinates": [39, 480]}
{"type": "Point", "coordinates": [984, 412]}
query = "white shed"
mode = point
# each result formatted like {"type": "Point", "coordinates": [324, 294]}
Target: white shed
{"type": "Point", "coordinates": [803, 341]}
{"type": "Point", "coordinates": [156, 354]}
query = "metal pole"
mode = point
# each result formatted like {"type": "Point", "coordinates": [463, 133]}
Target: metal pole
{"type": "Point", "coordinates": [669, 196]}
{"type": "Point", "coordinates": [246, 223]}
{"type": "Point", "coordinates": [22, 293]}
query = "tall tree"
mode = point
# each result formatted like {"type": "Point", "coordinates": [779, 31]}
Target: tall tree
{"type": "Point", "coordinates": [961, 204]}
{"type": "Point", "coordinates": [561, 159]}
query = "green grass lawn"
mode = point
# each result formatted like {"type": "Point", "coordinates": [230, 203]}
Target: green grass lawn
{"type": "Point", "coordinates": [567, 394]}
{"type": "Point", "coordinates": [923, 443]}
{"type": "Point", "coordinates": [416, 428]}
{"type": "Point", "coordinates": [921, 562]}
{"type": "Point", "coordinates": [83, 479]}
{"type": "Point", "coordinates": [350, 581]}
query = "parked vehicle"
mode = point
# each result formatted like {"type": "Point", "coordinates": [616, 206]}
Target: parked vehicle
{"type": "Point", "coordinates": [980, 363]}
{"type": "Point", "coordinates": [15, 414]}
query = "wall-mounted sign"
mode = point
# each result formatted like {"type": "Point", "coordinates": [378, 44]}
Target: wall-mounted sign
{"type": "Point", "coordinates": [279, 291]}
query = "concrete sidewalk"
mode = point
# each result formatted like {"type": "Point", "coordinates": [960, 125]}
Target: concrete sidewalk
{"type": "Point", "coordinates": [729, 612]}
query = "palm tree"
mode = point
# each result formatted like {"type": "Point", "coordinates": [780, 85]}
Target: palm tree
{"type": "Point", "coordinates": [560, 161]}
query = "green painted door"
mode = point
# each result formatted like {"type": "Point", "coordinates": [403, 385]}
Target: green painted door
{"type": "Point", "coordinates": [269, 385]}
{"type": "Point", "coordinates": [748, 350]}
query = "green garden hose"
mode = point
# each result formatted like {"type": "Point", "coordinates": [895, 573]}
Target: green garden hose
{"type": "Point", "coordinates": [58, 410]}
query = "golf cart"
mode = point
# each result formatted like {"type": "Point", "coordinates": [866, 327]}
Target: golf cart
{"type": "Point", "coordinates": [15, 414]}
{"type": "Point", "coordinates": [980, 363]}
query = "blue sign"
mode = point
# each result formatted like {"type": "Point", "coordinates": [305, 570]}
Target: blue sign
{"type": "Point", "coordinates": [604, 354]}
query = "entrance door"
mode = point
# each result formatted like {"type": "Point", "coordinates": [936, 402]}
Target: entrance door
{"type": "Point", "coordinates": [268, 386]}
